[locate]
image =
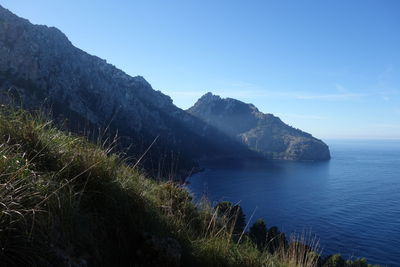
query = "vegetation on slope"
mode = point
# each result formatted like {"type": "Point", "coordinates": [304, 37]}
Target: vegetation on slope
{"type": "Point", "coordinates": [67, 202]}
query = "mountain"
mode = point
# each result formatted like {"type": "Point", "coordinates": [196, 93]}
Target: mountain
{"type": "Point", "coordinates": [264, 133]}
{"type": "Point", "coordinates": [40, 68]}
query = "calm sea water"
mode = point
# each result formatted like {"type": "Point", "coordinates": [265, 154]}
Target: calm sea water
{"type": "Point", "coordinates": [352, 202]}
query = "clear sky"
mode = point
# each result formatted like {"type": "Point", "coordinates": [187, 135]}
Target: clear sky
{"type": "Point", "coordinates": [331, 68]}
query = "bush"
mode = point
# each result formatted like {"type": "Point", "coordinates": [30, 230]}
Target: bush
{"type": "Point", "coordinates": [334, 261]}
{"type": "Point", "coordinates": [234, 216]}
{"type": "Point", "coordinates": [258, 234]}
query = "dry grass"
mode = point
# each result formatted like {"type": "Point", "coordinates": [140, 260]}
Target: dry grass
{"type": "Point", "coordinates": [64, 201]}
{"type": "Point", "coordinates": [302, 250]}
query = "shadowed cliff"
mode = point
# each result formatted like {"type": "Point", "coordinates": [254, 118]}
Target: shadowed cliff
{"type": "Point", "coordinates": [261, 132]}
{"type": "Point", "coordinates": [40, 68]}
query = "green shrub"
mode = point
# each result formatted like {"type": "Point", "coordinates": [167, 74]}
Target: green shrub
{"type": "Point", "coordinates": [334, 261]}
{"type": "Point", "coordinates": [258, 234]}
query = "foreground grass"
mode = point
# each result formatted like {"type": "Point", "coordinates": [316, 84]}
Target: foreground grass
{"type": "Point", "coordinates": [67, 202]}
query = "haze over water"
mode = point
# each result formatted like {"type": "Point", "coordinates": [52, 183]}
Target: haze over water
{"type": "Point", "coordinates": [352, 202]}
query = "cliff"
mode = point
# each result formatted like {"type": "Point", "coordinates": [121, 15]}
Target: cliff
{"type": "Point", "coordinates": [264, 133]}
{"type": "Point", "coordinates": [40, 68]}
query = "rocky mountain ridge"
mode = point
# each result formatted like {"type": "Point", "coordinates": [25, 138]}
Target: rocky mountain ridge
{"type": "Point", "coordinates": [264, 133]}
{"type": "Point", "coordinates": [40, 68]}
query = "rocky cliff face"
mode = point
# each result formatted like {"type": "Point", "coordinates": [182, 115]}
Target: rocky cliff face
{"type": "Point", "coordinates": [40, 68]}
{"type": "Point", "coordinates": [261, 132]}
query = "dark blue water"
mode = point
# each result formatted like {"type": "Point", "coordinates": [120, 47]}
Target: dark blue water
{"type": "Point", "coordinates": [352, 202]}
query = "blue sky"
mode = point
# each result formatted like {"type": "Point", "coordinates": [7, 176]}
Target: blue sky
{"type": "Point", "coordinates": [331, 68]}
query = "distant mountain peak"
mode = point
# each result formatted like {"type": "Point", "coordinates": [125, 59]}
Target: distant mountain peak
{"type": "Point", "coordinates": [264, 133]}
{"type": "Point", "coordinates": [213, 100]}
{"type": "Point", "coordinates": [209, 96]}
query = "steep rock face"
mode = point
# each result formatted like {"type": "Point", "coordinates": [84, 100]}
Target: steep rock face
{"type": "Point", "coordinates": [39, 67]}
{"type": "Point", "coordinates": [261, 132]}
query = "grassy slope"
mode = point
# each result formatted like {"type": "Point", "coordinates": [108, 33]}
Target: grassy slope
{"type": "Point", "coordinates": [65, 201]}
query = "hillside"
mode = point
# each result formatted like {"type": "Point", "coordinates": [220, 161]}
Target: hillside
{"type": "Point", "coordinates": [68, 202]}
{"type": "Point", "coordinates": [263, 133]}
{"type": "Point", "coordinates": [40, 68]}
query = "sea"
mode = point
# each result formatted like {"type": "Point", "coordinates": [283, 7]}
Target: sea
{"type": "Point", "coordinates": [350, 203]}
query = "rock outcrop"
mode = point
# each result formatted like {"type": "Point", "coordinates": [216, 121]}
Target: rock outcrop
{"type": "Point", "coordinates": [40, 68]}
{"type": "Point", "coordinates": [264, 133]}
